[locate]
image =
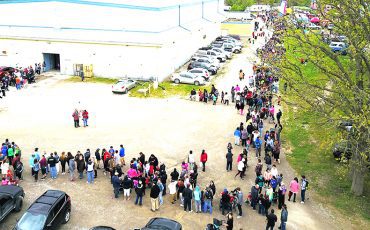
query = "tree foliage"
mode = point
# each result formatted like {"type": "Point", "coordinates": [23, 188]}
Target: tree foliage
{"type": "Point", "coordinates": [341, 92]}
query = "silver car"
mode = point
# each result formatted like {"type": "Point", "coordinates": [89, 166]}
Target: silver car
{"type": "Point", "coordinates": [123, 86]}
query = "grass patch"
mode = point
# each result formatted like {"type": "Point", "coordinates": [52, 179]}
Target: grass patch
{"type": "Point", "coordinates": [101, 80]}
{"type": "Point", "coordinates": [166, 89]}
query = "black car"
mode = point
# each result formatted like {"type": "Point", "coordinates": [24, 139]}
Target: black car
{"type": "Point", "coordinates": [49, 211]}
{"type": "Point", "coordinates": [342, 151]}
{"type": "Point", "coordinates": [11, 198]}
{"type": "Point", "coordinates": [102, 228]}
{"type": "Point", "coordinates": [163, 224]}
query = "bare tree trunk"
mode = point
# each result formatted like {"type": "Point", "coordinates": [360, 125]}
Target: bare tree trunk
{"type": "Point", "coordinates": [357, 181]}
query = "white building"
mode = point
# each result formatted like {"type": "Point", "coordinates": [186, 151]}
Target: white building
{"type": "Point", "coordinates": [134, 38]}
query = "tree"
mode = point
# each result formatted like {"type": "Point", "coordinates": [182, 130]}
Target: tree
{"type": "Point", "coordinates": [340, 89]}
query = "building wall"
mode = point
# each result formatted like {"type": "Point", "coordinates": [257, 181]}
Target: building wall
{"type": "Point", "coordinates": [117, 41]}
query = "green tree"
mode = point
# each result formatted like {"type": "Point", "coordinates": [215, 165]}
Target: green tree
{"type": "Point", "coordinates": [343, 89]}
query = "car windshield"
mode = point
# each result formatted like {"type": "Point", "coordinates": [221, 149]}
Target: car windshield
{"type": "Point", "coordinates": [37, 221]}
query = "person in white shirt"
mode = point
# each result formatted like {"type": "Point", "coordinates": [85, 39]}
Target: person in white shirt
{"type": "Point", "coordinates": [191, 159]}
{"type": "Point", "coordinates": [117, 158]}
{"type": "Point", "coordinates": [172, 189]}
{"type": "Point", "coordinates": [274, 171]}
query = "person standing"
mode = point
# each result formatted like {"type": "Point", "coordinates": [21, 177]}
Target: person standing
{"type": "Point", "coordinates": [229, 221]}
{"type": "Point", "coordinates": [281, 195]}
{"type": "Point", "coordinates": [294, 188]}
{"type": "Point", "coordinates": [239, 202]}
{"type": "Point", "coordinates": [191, 159]}
{"type": "Point", "coordinates": [53, 169]}
{"type": "Point", "coordinates": [188, 196]}
{"type": "Point", "coordinates": [139, 193]}
{"type": "Point", "coordinates": [203, 159]}
{"type": "Point", "coordinates": [258, 145]}
{"type": "Point", "coordinates": [283, 217]}
{"type": "Point", "coordinates": [254, 194]}
{"type": "Point", "coordinates": [63, 159]}
{"type": "Point", "coordinates": [43, 166]}
{"type": "Point", "coordinates": [173, 190]}
{"type": "Point", "coordinates": [237, 135]}
{"type": "Point", "coordinates": [71, 166]}
{"type": "Point", "coordinates": [154, 194]}
{"type": "Point", "coordinates": [116, 182]}
{"type": "Point", "coordinates": [197, 199]}
{"type": "Point", "coordinates": [271, 220]}
{"type": "Point", "coordinates": [240, 169]}
{"type": "Point", "coordinates": [278, 116]}
{"type": "Point", "coordinates": [90, 171]}
{"type": "Point", "coordinates": [208, 197]}
{"type": "Point", "coordinates": [76, 118]}
{"type": "Point", "coordinates": [161, 188]}
{"type": "Point", "coordinates": [85, 117]}
{"type": "Point", "coordinates": [80, 165]}
{"type": "Point", "coordinates": [122, 155]}
{"type": "Point", "coordinates": [304, 186]}
{"type": "Point", "coordinates": [36, 169]}
{"type": "Point", "coordinates": [229, 161]}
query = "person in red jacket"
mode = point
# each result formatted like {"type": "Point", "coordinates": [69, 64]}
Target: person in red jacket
{"type": "Point", "coordinates": [85, 117]}
{"type": "Point", "coordinates": [76, 118]}
{"type": "Point", "coordinates": [203, 159]}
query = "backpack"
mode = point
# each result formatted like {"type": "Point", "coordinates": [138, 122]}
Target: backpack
{"type": "Point", "coordinates": [208, 195]}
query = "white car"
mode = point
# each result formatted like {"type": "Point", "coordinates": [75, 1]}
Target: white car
{"type": "Point", "coordinates": [188, 78]}
{"type": "Point", "coordinates": [199, 72]}
{"type": "Point", "coordinates": [227, 54]}
{"type": "Point", "coordinates": [123, 86]}
{"type": "Point", "coordinates": [212, 62]}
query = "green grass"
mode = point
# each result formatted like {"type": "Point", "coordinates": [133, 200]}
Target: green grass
{"type": "Point", "coordinates": [311, 140]}
{"type": "Point", "coordinates": [102, 80]}
{"type": "Point", "coordinates": [166, 89]}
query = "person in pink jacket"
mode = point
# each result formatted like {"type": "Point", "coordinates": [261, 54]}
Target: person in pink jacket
{"type": "Point", "coordinates": [294, 188]}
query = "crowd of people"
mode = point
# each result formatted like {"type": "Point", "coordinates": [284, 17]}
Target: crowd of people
{"type": "Point", "coordinates": [19, 77]}
{"type": "Point", "coordinates": [261, 131]}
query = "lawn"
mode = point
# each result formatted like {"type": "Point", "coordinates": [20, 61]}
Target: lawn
{"type": "Point", "coordinates": [92, 80]}
{"type": "Point", "coordinates": [166, 89]}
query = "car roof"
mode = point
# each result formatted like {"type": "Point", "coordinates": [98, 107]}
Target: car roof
{"type": "Point", "coordinates": [43, 204]}
{"type": "Point", "coordinates": [199, 69]}
{"type": "Point", "coordinates": [10, 190]}
{"type": "Point", "coordinates": [163, 223]}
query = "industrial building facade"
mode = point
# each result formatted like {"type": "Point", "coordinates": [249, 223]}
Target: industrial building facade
{"type": "Point", "coordinates": [117, 38]}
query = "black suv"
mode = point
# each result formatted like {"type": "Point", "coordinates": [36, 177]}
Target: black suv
{"type": "Point", "coordinates": [11, 198]}
{"type": "Point", "coordinates": [49, 211]}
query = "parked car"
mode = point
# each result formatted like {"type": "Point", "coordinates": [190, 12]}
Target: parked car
{"type": "Point", "coordinates": [227, 54]}
{"type": "Point", "coordinates": [220, 56]}
{"type": "Point", "coordinates": [6, 69]}
{"type": "Point", "coordinates": [188, 78]}
{"type": "Point", "coordinates": [342, 151]}
{"type": "Point", "coordinates": [123, 86]}
{"type": "Point", "coordinates": [47, 212]}
{"type": "Point", "coordinates": [339, 47]}
{"type": "Point", "coordinates": [199, 72]}
{"type": "Point", "coordinates": [212, 62]}
{"type": "Point", "coordinates": [195, 64]}
{"type": "Point", "coordinates": [163, 224]}
{"type": "Point", "coordinates": [232, 48]}
{"type": "Point", "coordinates": [11, 198]}
{"type": "Point", "coordinates": [235, 36]}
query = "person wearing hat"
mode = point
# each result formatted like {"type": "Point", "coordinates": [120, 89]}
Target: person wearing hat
{"type": "Point", "coordinates": [139, 193]}
{"type": "Point", "coordinates": [116, 184]}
